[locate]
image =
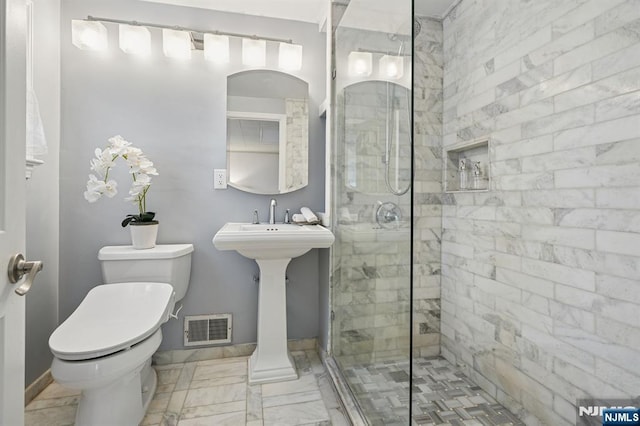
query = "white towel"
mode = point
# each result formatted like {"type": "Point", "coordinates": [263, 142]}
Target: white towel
{"type": "Point", "coordinates": [309, 215]}
{"type": "Point", "coordinates": [305, 219]}
{"type": "Point", "coordinates": [36, 140]}
{"type": "Point", "coordinates": [298, 218]}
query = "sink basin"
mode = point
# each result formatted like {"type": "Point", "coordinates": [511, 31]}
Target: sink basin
{"type": "Point", "coordinates": [279, 241]}
{"type": "Point", "coordinates": [272, 247]}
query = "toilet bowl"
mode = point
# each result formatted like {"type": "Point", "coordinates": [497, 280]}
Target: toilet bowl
{"type": "Point", "coordinates": [105, 346]}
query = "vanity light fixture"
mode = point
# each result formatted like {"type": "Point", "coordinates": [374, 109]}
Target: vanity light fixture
{"type": "Point", "coordinates": [391, 67]}
{"type": "Point", "coordinates": [290, 56]}
{"type": "Point", "coordinates": [216, 48]}
{"type": "Point", "coordinates": [254, 52]}
{"type": "Point", "coordinates": [360, 64]}
{"type": "Point", "coordinates": [135, 39]}
{"type": "Point", "coordinates": [88, 35]}
{"type": "Point", "coordinates": [176, 44]}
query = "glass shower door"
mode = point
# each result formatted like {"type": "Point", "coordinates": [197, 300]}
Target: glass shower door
{"type": "Point", "coordinates": [372, 176]}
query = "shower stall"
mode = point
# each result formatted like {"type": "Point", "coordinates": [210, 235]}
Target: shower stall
{"type": "Point", "coordinates": [387, 201]}
{"type": "Point", "coordinates": [484, 193]}
{"type": "Point", "coordinates": [372, 205]}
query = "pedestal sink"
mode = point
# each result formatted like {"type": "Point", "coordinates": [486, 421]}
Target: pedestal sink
{"type": "Point", "coordinates": [272, 247]}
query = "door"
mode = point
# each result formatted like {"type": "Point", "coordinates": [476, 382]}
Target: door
{"type": "Point", "coordinates": [12, 205]}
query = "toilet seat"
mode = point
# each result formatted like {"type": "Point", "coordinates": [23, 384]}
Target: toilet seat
{"type": "Point", "coordinates": [112, 317]}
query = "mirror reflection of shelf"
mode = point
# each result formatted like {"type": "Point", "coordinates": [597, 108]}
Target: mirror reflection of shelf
{"type": "Point", "coordinates": [31, 163]}
{"type": "Point", "coordinates": [467, 166]}
{"type": "Point", "coordinates": [322, 110]}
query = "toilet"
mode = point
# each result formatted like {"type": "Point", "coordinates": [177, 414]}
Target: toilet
{"type": "Point", "coordinates": [105, 346]}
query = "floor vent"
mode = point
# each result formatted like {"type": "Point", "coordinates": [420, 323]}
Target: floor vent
{"type": "Point", "coordinates": [207, 329]}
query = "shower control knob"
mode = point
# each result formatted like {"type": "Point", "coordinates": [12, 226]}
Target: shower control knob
{"type": "Point", "coordinates": [388, 215]}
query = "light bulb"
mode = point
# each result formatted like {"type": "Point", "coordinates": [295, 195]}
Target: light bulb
{"type": "Point", "coordinates": [176, 44]}
{"type": "Point", "coordinates": [290, 56]}
{"type": "Point", "coordinates": [135, 39]}
{"type": "Point", "coordinates": [254, 52]}
{"type": "Point", "coordinates": [360, 64]}
{"type": "Point", "coordinates": [88, 35]}
{"type": "Point", "coordinates": [391, 66]}
{"type": "Point", "coordinates": [216, 48]}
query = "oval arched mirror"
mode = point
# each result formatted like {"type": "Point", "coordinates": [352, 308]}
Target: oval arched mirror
{"type": "Point", "coordinates": [267, 132]}
{"type": "Point", "coordinates": [377, 132]}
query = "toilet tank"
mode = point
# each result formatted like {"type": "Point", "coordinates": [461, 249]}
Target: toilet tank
{"type": "Point", "coordinates": [165, 263]}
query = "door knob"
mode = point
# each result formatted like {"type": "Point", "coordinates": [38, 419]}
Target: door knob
{"type": "Point", "coordinates": [18, 267]}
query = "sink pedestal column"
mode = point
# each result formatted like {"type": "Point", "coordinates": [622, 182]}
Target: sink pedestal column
{"type": "Point", "coordinates": [271, 361]}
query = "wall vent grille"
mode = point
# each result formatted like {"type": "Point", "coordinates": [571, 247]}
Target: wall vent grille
{"type": "Point", "coordinates": [207, 329]}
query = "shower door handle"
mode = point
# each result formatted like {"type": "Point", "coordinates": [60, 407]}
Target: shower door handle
{"type": "Point", "coordinates": [18, 268]}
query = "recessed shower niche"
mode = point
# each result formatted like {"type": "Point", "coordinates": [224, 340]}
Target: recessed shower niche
{"type": "Point", "coordinates": [467, 166]}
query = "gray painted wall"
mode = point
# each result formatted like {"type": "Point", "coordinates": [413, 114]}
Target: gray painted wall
{"type": "Point", "coordinates": [175, 112]}
{"type": "Point", "coordinates": [42, 193]}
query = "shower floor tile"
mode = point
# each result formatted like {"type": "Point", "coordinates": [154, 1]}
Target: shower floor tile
{"type": "Point", "coordinates": [442, 395]}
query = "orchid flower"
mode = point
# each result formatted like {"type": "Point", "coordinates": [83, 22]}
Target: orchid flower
{"type": "Point", "coordinates": [140, 168]}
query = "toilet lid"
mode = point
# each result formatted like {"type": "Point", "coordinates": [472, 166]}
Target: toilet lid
{"type": "Point", "coordinates": [112, 317]}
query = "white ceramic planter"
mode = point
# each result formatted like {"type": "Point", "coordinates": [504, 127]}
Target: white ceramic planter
{"type": "Point", "coordinates": [144, 234]}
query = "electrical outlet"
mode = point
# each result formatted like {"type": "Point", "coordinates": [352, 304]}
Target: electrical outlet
{"type": "Point", "coordinates": [220, 179]}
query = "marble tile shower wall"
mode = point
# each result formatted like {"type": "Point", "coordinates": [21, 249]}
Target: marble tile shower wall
{"type": "Point", "coordinates": [372, 308]}
{"type": "Point", "coordinates": [540, 274]}
{"type": "Point", "coordinates": [297, 153]}
{"type": "Point", "coordinates": [427, 106]}
{"type": "Point", "coordinates": [373, 272]}
{"type": "Point", "coordinates": [371, 277]}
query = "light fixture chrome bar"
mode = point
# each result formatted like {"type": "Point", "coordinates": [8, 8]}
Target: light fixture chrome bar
{"type": "Point", "coordinates": [192, 30]}
{"type": "Point", "coordinates": [384, 52]}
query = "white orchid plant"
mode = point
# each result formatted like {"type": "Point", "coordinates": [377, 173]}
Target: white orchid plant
{"type": "Point", "coordinates": [140, 168]}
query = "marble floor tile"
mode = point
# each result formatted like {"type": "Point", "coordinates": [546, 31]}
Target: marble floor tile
{"type": "Point", "coordinates": [338, 418]}
{"type": "Point", "coordinates": [186, 376]}
{"type": "Point", "coordinates": [212, 410]}
{"type": "Point", "coordinates": [176, 402]}
{"type": "Point", "coordinates": [166, 376]}
{"type": "Point", "coordinates": [254, 403]}
{"type": "Point", "coordinates": [159, 402]}
{"type": "Point", "coordinates": [39, 404]}
{"type": "Point", "coordinates": [54, 390]}
{"type": "Point", "coordinates": [226, 369]}
{"type": "Point", "coordinates": [302, 384]}
{"type": "Point", "coordinates": [153, 419]}
{"type": "Point", "coordinates": [296, 414]}
{"type": "Point", "coordinates": [197, 384]}
{"type": "Point", "coordinates": [216, 395]}
{"type": "Point", "coordinates": [56, 416]}
{"type": "Point", "coordinates": [294, 398]}
{"type": "Point", "coordinates": [226, 419]}
{"type": "Point", "coordinates": [216, 392]}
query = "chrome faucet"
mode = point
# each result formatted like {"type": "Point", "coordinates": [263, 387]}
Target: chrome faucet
{"type": "Point", "coordinates": [272, 211]}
